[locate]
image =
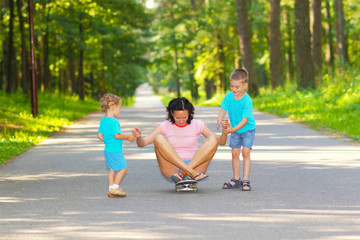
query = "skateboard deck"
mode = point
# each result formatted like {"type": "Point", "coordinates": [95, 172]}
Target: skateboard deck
{"type": "Point", "coordinates": [186, 186]}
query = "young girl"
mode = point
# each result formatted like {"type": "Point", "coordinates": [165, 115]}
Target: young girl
{"type": "Point", "coordinates": [110, 132]}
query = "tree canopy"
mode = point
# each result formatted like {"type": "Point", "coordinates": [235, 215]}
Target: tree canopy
{"type": "Point", "coordinates": [99, 46]}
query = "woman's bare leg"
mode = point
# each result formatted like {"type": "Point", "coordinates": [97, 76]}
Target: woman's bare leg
{"type": "Point", "coordinates": [169, 161]}
{"type": "Point", "coordinates": [203, 156]}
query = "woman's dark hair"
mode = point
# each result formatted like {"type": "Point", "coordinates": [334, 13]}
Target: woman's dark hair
{"type": "Point", "coordinates": [179, 104]}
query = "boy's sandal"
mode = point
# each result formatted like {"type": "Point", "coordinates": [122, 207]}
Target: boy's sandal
{"type": "Point", "coordinates": [228, 185]}
{"type": "Point", "coordinates": [198, 175]}
{"type": "Point", "coordinates": [246, 183]}
{"type": "Point", "coordinates": [176, 177]}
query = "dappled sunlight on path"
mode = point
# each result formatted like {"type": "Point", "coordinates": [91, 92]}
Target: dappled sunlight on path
{"type": "Point", "coordinates": [305, 186]}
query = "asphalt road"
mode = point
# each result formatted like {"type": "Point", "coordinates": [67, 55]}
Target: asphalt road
{"type": "Point", "coordinates": [305, 186]}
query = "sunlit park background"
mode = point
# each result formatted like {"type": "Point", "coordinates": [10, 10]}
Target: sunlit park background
{"type": "Point", "coordinates": [302, 56]}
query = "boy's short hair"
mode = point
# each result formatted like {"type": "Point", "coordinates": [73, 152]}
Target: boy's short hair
{"type": "Point", "coordinates": [240, 74]}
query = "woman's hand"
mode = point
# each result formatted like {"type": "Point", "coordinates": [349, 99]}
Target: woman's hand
{"type": "Point", "coordinates": [136, 133]}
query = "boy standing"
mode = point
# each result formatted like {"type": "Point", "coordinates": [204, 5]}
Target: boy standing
{"type": "Point", "coordinates": [242, 127]}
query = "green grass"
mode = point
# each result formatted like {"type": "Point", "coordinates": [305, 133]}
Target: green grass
{"type": "Point", "coordinates": [334, 106]}
{"type": "Point", "coordinates": [19, 130]}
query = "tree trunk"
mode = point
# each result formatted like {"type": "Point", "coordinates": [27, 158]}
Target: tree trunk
{"type": "Point", "coordinates": [63, 83]}
{"type": "Point", "coordinates": [340, 32]}
{"type": "Point", "coordinates": [330, 44]}
{"type": "Point", "coordinates": [176, 64]}
{"type": "Point", "coordinates": [81, 64]}
{"type": "Point", "coordinates": [220, 57]}
{"type": "Point", "coordinates": [3, 67]}
{"type": "Point", "coordinates": [25, 83]}
{"type": "Point", "coordinates": [11, 78]}
{"type": "Point", "coordinates": [289, 48]}
{"type": "Point", "coordinates": [316, 37]}
{"type": "Point", "coordinates": [192, 82]}
{"type": "Point", "coordinates": [193, 85]}
{"type": "Point", "coordinates": [39, 67]}
{"type": "Point", "coordinates": [304, 63]}
{"type": "Point", "coordinates": [103, 67]}
{"type": "Point", "coordinates": [45, 39]}
{"type": "Point", "coordinates": [245, 34]}
{"type": "Point", "coordinates": [209, 87]}
{"type": "Point", "coordinates": [276, 67]}
{"type": "Point", "coordinates": [73, 83]}
{"type": "Point", "coordinates": [176, 69]}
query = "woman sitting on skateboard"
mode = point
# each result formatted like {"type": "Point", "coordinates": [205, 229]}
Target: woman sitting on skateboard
{"type": "Point", "coordinates": [176, 143]}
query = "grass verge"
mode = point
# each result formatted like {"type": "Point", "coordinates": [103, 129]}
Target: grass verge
{"type": "Point", "coordinates": [334, 106]}
{"type": "Point", "coordinates": [19, 130]}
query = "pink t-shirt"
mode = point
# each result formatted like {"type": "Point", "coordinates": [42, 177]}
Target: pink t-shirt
{"type": "Point", "coordinates": [183, 139]}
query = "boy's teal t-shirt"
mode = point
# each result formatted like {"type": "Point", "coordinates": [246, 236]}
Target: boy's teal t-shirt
{"type": "Point", "coordinates": [239, 109]}
{"type": "Point", "coordinates": [109, 126]}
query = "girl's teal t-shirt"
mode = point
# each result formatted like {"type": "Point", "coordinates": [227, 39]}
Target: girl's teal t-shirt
{"type": "Point", "coordinates": [239, 109]}
{"type": "Point", "coordinates": [109, 126]}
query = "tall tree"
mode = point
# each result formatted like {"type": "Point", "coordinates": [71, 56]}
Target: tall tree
{"type": "Point", "coordinates": [46, 51]}
{"type": "Point", "coordinates": [329, 37]}
{"type": "Point", "coordinates": [220, 57]}
{"type": "Point", "coordinates": [81, 62]}
{"type": "Point", "coordinates": [25, 82]}
{"type": "Point", "coordinates": [289, 45]}
{"type": "Point", "coordinates": [11, 78]}
{"type": "Point", "coordinates": [103, 66]}
{"type": "Point", "coordinates": [192, 82]}
{"type": "Point", "coordinates": [244, 31]}
{"type": "Point", "coordinates": [340, 32]}
{"type": "Point", "coordinates": [276, 67]}
{"type": "Point", "coordinates": [317, 36]}
{"type": "Point", "coordinates": [304, 63]}
{"type": "Point", "coordinates": [3, 45]}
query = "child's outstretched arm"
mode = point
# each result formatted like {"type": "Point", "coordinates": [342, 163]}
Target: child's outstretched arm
{"type": "Point", "coordinates": [220, 118]}
{"type": "Point", "coordinates": [234, 129]}
{"type": "Point", "coordinates": [100, 136]}
{"type": "Point", "coordinates": [119, 136]}
{"type": "Point", "coordinates": [142, 142]}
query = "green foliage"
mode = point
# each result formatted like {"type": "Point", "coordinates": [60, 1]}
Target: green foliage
{"type": "Point", "coordinates": [19, 130]}
{"type": "Point", "coordinates": [112, 38]}
{"type": "Point", "coordinates": [335, 105]}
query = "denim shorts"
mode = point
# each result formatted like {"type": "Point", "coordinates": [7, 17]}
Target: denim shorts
{"type": "Point", "coordinates": [242, 139]}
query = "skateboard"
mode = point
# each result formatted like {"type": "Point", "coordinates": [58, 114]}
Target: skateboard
{"type": "Point", "coordinates": [186, 186]}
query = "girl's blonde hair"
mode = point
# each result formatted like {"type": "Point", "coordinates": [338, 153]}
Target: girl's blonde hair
{"type": "Point", "coordinates": [109, 100]}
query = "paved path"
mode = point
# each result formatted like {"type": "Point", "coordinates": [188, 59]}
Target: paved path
{"type": "Point", "coordinates": [305, 186]}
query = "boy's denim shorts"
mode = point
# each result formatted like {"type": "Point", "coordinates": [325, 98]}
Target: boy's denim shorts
{"type": "Point", "coordinates": [242, 139]}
